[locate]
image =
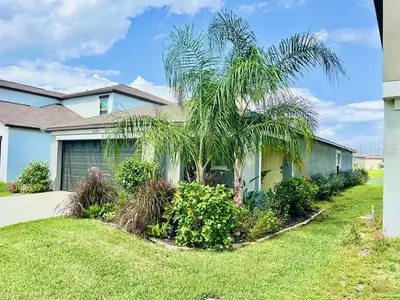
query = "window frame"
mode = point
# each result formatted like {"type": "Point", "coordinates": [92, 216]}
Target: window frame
{"type": "Point", "coordinates": [102, 98]}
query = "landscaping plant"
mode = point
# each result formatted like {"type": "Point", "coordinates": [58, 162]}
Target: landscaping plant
{"type": "Point", "coordinates": [145, 207]}
{"type": "Point", "coordinates": [133, 172]}
{"type": "Point", "coordinates": [93, 190]}
{"type": "Point", "coordinates": [13, 187]}
{"type": "Point", "coordinates": [205, 216]}
{"type": "Point", "coordinates": [293, 197]}
{"type": "Point", "coordinates": [265, 222]}
{"type": "Point", "coordinates": [34, 178]}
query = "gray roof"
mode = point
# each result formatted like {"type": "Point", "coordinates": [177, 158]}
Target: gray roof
{"type": "Point", "coordinates": [29, 89]}
{"type": "Point", "coordinates": [120, 89]}
{"type": "Point", "coordinates": [21, 115]}
{"type": "Point", "coordinates": [172, 111]}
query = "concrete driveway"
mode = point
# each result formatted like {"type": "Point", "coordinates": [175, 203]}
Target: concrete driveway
{"type": "Point", "coordinates": [24, 208]}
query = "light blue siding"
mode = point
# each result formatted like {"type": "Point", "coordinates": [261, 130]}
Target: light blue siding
{"type": "Point", "coordinates": [25, 145]}
{"type": "Point", "coordinates": [122, 102]}
{"type": "Point", "coordinates": [25, 98]}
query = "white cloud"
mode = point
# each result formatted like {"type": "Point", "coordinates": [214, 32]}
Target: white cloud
{"type": "Point", "coordinates": [159, 90]}
{"type": "Point", "coordinates": [160, 36]}
{"type": "Point", "coordinates": [378, 104]}
{"type": "Point", "coordinates": [366, 36]}
{"type": "Point", "coordinates": [57, 77]}
{"type": "Point", "coordinates": [73, 28]}
{"type": "Point", "coordinates": [267, 6]}
{"type": "Point", "coordinates": [66, 79]}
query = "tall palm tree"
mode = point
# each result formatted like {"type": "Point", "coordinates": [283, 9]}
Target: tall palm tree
{"type": "Point", "coordinates": [262, 79]}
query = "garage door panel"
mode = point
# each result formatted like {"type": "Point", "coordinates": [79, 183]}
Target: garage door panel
{"type": "Point", "coordinates": [80, 156]}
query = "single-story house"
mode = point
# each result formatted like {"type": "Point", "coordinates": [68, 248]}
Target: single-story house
{"type": "Point", "coordinates": [368, 162]}
{"type": "Point", "coordinates": [26, 111]}
{"type": "Point", "coordinates": [77, 145]}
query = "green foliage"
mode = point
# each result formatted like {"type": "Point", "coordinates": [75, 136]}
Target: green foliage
{"type": "Point", "coordinates": [333, 184]}
{"type": "Point", "coordinates": [159, 231]}
{"type": "Point", "coordinates": [34, 178]}
{"type": "Point", "coordinates": [293, 197]}
{"type": "Point", "coordinates": [205, 216]}
{"type": "Point", "coordinates": [265, 222]}
{"type": "Point", "coordinates": [93, 190]}
{"type": "Point", "coordinates": [95, 211]}
{"type": "Point", "coordinates": [253, 224]}
{"type": "Point", "coordinates": [133, 172]}
{"type": "Point", "coordinates": [145, 206]}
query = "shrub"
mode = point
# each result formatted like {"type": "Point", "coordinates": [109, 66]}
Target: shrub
{"type": "Point", "coordinates": [294, 197]}
{"type": "Point", "coordinates": [146, 206]}
{"type": "Point", "coordinates": [93, 190]}
{"type": "Point", "coordinates": [363, 176]}
{"type": "Point", "coordinates": [265, 222]}
{"type": "Point", "coordinates": [159, 231]}
{"type": "Point", "coordinates": [133, 173]}
{"type": "Point", "coordinates": [34, 178]}
{"type": "Point", "coordinates": [94, 211]}
{"type": "Point", "coordinates": [13, 187]}
{"type": "Point", "coordinates": [324, 191]}
{"type": "Point", "coordinates": [205, 216]}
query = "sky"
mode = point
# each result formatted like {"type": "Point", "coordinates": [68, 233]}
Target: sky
{"type": "Point", "coordinates": [75, 45]}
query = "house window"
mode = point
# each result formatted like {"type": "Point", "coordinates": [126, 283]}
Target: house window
{"type": "Point", "coordinates": [104, 104]}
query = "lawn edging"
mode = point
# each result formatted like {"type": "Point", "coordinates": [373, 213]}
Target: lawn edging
{"type": "Point", "coordinates": [237, 245]}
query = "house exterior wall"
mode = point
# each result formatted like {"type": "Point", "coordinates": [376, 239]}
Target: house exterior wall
{"type": "Point", "coordinates": [4, 133]}
{"type": "Point", "coordinates": [122, 102]}
{"type": "Point", "coordinates": [26, 98]}
{"type": "Point", "coordinates": [368, 163]}
{"type": "Point", "coordinates": [87, 106]}
{"type": "Point", "coordinates": [19, 155]}
{"type": "Point", "coordinates": [252, 169]}
{"type": "Point", "coordinates": [391, 95]}
{"type": "Point", "coordinates": [323, 160]}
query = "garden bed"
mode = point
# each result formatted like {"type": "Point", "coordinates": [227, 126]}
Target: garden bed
{"type": "Point", "coordinates": [170, 243]}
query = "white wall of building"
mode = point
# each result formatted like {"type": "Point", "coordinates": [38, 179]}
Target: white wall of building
{"type": "Point", "coordinates": [87, 106]}
{"type": "Point", "coordinates": [391, 192]}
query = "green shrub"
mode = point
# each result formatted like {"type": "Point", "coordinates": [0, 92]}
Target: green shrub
{"type": "Point", "coordinates": [363, 176]}
{"type": "Point", "coordinates": [294, 197]}
{"type": "Point", "coordinates": [324, 191]}
{"type": "Point", "coordinates": [159, 231]}
{"type": "Point", "coordinates": [146, 206]}
{"type": "Point", "coordinates": [205, 216]}
{"type": "Point", "coordinates": [133, 173]}
{"type": "Point", "coordinates": [93, 190]}
{"type": "Point", "coordinates": [265, 222]}
{"type": "Point", "coordinates": [94, 211]}
{"type": "Point", "coordinates": [34, 178]}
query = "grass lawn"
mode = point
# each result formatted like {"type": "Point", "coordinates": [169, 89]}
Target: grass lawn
{"type": "Point", "coordinates": [84, 259]}
{"type": "Point", "coordinates": [376, 173]}
{"type": "Point", "coordinates": [3, 189]}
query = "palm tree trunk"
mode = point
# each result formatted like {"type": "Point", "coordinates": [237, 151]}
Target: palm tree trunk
{"type": "Point", "coordinates": [238, 193]}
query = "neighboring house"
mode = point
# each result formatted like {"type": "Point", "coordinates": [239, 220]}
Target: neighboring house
{"type": "Point", "coordinates": [77, 145]}
{"type": "Point", "coordinates": [26, 111]}
{"type": "Point", "coordinates": [390, 37]}
{"type": "Point", "coordinates": [368, 162]}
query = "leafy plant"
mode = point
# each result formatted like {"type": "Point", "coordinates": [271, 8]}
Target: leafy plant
{"type": "Point", "coordinates": [293, 197]}
{"type": "Point", "coordinates": [13, 187]}
{"type": "Point", "coordinates": [34, 178]}
{"type": "Point", "coordinates": [205, 216]}
{"type": "Point", "coordinates": [265, 222]}
{"type": "Point", "coordinates": [93, 190]}
{"type": "Point", "coordinates": [133, 172]}
{"type": "Point", "coordinates": [158, 231]}
{"type": "Point", "coordinates": [146, 206]}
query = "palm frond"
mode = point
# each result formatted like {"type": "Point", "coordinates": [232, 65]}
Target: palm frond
{"type": "Point", "coordinates": [299, 54]}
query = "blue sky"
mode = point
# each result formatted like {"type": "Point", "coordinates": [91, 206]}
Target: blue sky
{"type": "Point", "coordinates": [72, 45]}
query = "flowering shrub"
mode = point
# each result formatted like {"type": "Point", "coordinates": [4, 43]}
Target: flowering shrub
{"type": "Point", "coordinates": [13, 187]}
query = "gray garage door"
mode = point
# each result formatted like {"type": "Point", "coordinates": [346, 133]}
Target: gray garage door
{"type": "Point", "coordinates": [79, 156]}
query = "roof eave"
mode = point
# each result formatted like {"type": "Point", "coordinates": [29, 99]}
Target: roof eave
{"type": "Point", "coordinates": [379, 17]}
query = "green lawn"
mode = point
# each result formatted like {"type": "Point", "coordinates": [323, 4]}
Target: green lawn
{"type": "Point", "coordinates": [85, 259]}
{"type": "Point", "coordinates": [3, 189]}
{"type": "Point", "coordinates": [376, 173]}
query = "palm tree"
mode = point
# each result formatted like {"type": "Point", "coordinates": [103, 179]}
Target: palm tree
{"type": "Point", "coordinates": [262, 79]}
{"type": "Point", "coordinates": [240, 99]}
